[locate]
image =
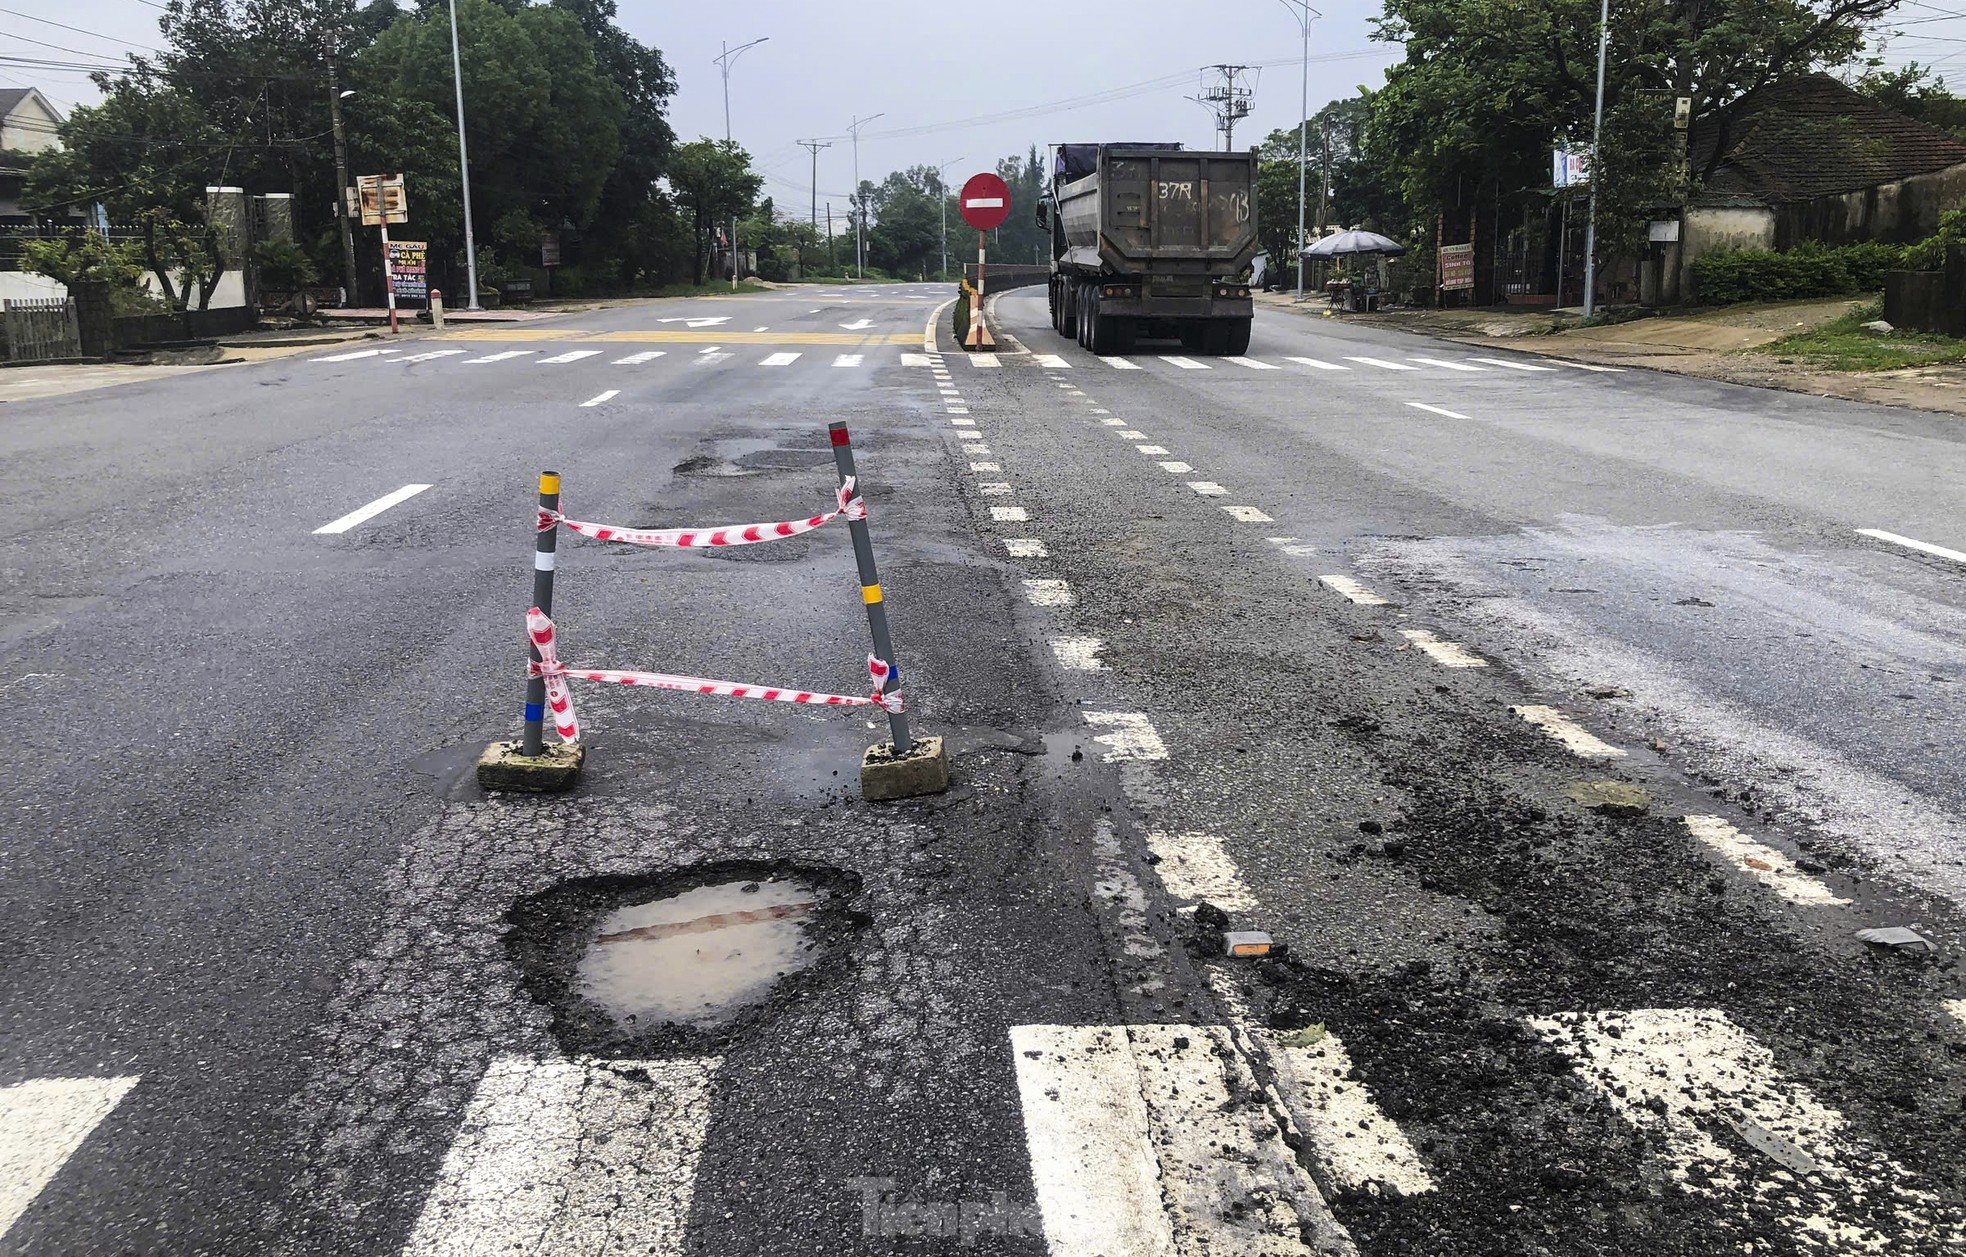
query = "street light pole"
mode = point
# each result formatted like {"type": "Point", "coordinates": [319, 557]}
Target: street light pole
{"type": "Point", "coordinates": [815, 146]}
{"type": "Point", "coordinates": [1597, 135]}
{"type": "Point", "coordinates": [1305, 15]}
{"type": "Point", "coordinates": [724, 62]}
{"type": "Point", "coordinates": [860, 220]}
{"type": "Point", "coordinates": [942, 195]}
{"type": "Point", "coordinates": [464, 167]}
{"type": "Point", "coordinates": [335, 94]}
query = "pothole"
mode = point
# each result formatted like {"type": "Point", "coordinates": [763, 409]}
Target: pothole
{"type": "Point", "coordinates": [642, 965]}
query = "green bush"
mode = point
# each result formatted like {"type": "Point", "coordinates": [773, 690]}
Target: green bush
{"type": "Point", "coordinates": [960, 313]}
{"type": "Point", "coordinates": [1810, 270]}
{"type": "Point", "coordinates": [1929, 254]}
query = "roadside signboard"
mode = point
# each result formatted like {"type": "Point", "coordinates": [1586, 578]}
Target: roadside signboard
{"type": "Point", "coordinates": [1571, 167]}
{"type": "Point", "coordinates": [408, 270]}
{"type": "Point", "coordinates": [385, 199]}
{"type": "Point", "coordinates": [1456, 266]}
{"type": "Point", "coordinates": [985, 202]}
{"type": "Point", "coordinates": [549, 249]}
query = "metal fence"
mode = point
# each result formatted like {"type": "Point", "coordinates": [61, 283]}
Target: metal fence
{"type": "Point", "coordinates": [41, 330]}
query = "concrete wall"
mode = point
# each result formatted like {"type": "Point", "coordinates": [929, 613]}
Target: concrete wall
{"type": "Point", "coordinates": [1897, 213]}
{"type": "Point", "coordinates": [1709, 230]}
{"type": "Point", "coordinates": [27, 286]}
{"type": "Point", "coordinates": [230, 293]}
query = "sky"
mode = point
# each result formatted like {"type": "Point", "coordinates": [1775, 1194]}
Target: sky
{"type": "Point", "coordinates": [958, 84]}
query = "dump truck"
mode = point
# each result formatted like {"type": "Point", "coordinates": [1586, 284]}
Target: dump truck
{"type": "Point", "coordinates": [1148, 241]}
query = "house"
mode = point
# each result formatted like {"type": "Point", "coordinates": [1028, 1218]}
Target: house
{"type": "Point", "coordinates": [1808, 159]}
{"type": "Point", "coordinates": [28, 125]}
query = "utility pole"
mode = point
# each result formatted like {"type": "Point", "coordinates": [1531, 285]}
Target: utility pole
{"type": "Point", "coordinates": [829, 235]}
{"type": "Point", "coordinates": [860, 219]}
{"type": "Point", "coordinates": [464, 168]}
{"type": "Point", "coordinates": [349, 276]}
{"type": "Point", "coordinates": [1229, 102]}
{"type": "Point", "coordinates": [1597, 136]}
{"type": "Point", "coordinates": [1305, 15]}
{"type": "Point", "coordinates": [815, 146]}
{"type": "Point", "coordinates": [724, 62]}
{"type": "Point", "coordinates": [942, 195]}
{"type": "Point", "coordinates": [1324, 201]}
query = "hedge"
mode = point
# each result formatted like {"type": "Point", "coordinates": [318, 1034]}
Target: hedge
{"type": "Point", "coordinates": [960, 313]}
{"type": "Point", "coordinates": [1810, 270]}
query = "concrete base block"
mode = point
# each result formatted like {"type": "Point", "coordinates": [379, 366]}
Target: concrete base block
{"type": "Point", "coordinates": [556, 768]}
{"type": "Point", "coordinates": [923, 770]}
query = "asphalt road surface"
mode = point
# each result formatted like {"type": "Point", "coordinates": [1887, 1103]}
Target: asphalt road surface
{"type": "Point", "coordinates": [1565, 726]}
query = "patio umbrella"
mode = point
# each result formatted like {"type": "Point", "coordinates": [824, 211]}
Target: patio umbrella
{"type": "Point", "coordinates": [1351, 243]}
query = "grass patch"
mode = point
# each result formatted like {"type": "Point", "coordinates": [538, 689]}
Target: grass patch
{"type": "Point", "coordinates": [1844, 345]}
{"type": "Point", "coordinates": [702, 290]}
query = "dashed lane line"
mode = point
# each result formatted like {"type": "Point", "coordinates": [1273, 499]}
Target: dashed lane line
{"type": "Point", "coordinates": [1912, 543]}
{"type": "Point", "coordinates": [1177, 469]}
{"type": "Point", "coordinates": [1290, 546]}
{"type": "Point", "coordinates": [1446, 654]}
{"type": "Point", "coordinates": [1248, 515]}
{"type": "Point", "coordinates": [994, 489]}
{"type": "Point", "coordinates": [1078, 654]}
{"type": "Point", "coordinates": [1042, 592]}
{"type": "Point", "coordinates": [1512, 365]}
{"type": "Point", "coordinates": [42, 1123]}
{"type": "Point", "coordinates": [1208, 488]}
{"type": "Point", "coordinates": [597, 399]}
{"type": "Point", "coordinates": [1151, 451]}
{"type": "Point", "coordinates": [1130, 434]}
{"type": "Point", "coordinates": [1762, 862]}
{"type": "Point", "coordinates": [1351, 589]}
{"type": "Point", "coordinates": [1010, 515]}
{"type": "Point", "coordinates": [1957, 1007]}
{"type": "Point", "coordinates": [1198, 867]}
{"type": "Point", "coordinates": [1451, 366]}
{"type": "Point", "coordinates": [1436, 410]}
{"type": "Point", "coordinates": [1026, 548]}
{"type": "Point", "coordinates": [572, 355]}
{"type": "Point", "coordinates": [1129, 736]}
{"type": "Point", "coordinates": [373, 509]}
{"type": "Point", "coordinates": [1112, 423]}
{"type": "Point", "coordinates": [976, 449]}
{"type": "Point", "coordinates": [1574, 737]}
{"type": "Point", "coordinates": [984, 468]}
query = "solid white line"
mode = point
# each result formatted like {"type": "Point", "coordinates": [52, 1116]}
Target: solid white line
{"type": "Point", "coordinates": [1048, 593]}
{"type": "Point", "coordinates": [500, 357]}
{"type": "Point", "coordinates": [1762, 862]}
{"type": "Point", "coordinates": [1152, 451]}
{"type": "Point", "coordinates": [42, 1123]}
{"type": "Point", "coordinates": [1025, 548]}
{"type": "Point", "coordinates": [1352, 589]}
{"type": "Point", "coordinates": [563, 1156]}
{"type": "Point", "coordinates": [1051, 362]}
{"type": "Point", "coordinates": [432, 356]}
{"type": "Point", "coordinates": [1177, 469]}
{"type": "Point", "coordinates": [1080, 654]}
{"type": "Point", "coordinates": [847, 360]}
{"type": "Point", "coordinates": [1382, 363]}
{"type": "Point", "coordinates": [1322, 366]}
{"type": "Point", "coordinates": [1446, 654]}
{"type": "Point", "coordinates": [1578, 740]}
{"type": "Point", "coordinates": [1197, 866]}
{"type": "Point", "coordinates": [1122, 364]}
{"type": "Point", "coordinates": [373, 509]}
{"type": "Point", "coordinates": [598, 398]}
{"type": "Point", "coordinates": [1912, 544]}
{"type": "Point", "coordinates": [572, 355]}
{"type": "Point", "coordinates": [1208, 488]}
{"type": "Point", "coordinates": [779, 360]}
{"type": "Point", "coordinates": [1451, 366]}
{"type": "Point", "coordinates": [1188, 364]}
{"type": "Point", "coordinates": [634, 360]}
{"type": "Point", "coordinates": [1435, 410]}
{"type": "Point", "coordinates": [1009, 514]}
{"type": "Point", "coordinates": [1254, 364]}
{"type": "Point", "coordinates": [1249, 515]}
{"type": "Point", "coordinates": [1513, 366]}
{"type": "Point", "coordinates": [1132, 736]}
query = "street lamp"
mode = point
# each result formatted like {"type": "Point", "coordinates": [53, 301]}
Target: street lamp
{"type": "Point", "coordinates": [335, 97]}
{"type": "Point", "coordinates": [860, 219]}
{"type": "Point", "coordinates": [942, 191]}
{"type": "Point", "coordinates": [1305, 15]}
{"type": "Point", "coordinates": [1597, 135]}
{"type": "Point", "coordinates": [724, 62]}
{"type": "Point", "coordinates": [464, 168]}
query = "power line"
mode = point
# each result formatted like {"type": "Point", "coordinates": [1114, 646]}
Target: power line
{"type": "Point", "coordinates": [79, 31]}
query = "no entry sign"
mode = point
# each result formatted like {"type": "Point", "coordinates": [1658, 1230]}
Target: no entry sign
{"type": "Point", "coordinates": [985, 202]}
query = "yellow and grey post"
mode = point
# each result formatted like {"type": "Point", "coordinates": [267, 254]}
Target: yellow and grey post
{"type": "Point", "coordinates": [544, 556]}
{"type": "Point", "coordinates": [870, 589]}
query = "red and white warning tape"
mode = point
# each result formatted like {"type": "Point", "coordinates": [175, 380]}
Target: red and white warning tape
{"type": "Point", "coordinates": [559, 695]}
{"type": "Point", "coordinates": [850, 507]}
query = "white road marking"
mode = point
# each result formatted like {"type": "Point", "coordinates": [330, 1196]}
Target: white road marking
{"type": "Point", "coordinates": [1254, 364]}
{"type": "Point", "coordinates": [915, 360]}
{"type": "Point", "coordinates": [1381, 363]}
{"type": "Point", "coordinates": [558, 1156]}
{"type": "Point", "coordinates": [373, 509]}
{"type": "Point", "coordinates": [1208, 488]}
{"type": "Point", "coordinates": [961, 422]}
{"type": "Point", "coordinates": [761, 329]}
{"type": "Point", "coordinates": [956, 410]}
{"type": "Point", "coordinates": [1248, 515]}
{"type": "Point", "coordinates": [1322, 366]}
{"type": "Point", "coordinates": [352, 355]}
{"type": "Point", "coordinates": [1126, 1127]}
{"type": "Point", "coordinates": [994, 489]}
{"type": "Point", "coordinates": [1446, 654]}
{"type": "Point", "coordinates": [1587, 366]}
{"type": "Point", "coordinates": [1912, 544]}
{"type": "Point", "coordinates": [572, 355]}
{"type": "Point", "coordinates": [1762, 862]}
{"type": "Point", "coordinates": [596, 400]}
{"type": "Point", "coordinates": [847, 360]}
{"type": "Point", "coordinates": [500, 357]}
{"type": "Point", "coordinates": [1289, 546]}
{"type": "Point", "coordinates": [983, 361]}
{"type": "Point", "coordinates": [1197, 866]}
{"type": "Point", "coordinates": [1177, 469]}
{"type": "Point", "coordinates": [432, 356]}
{"type": "Point", "coordinates": [636, 360]}
{"type": "Point", "coordinates": [1188, 364]}
{"type": "Point", "coordinates": [1112, 423]}
{"type": "Point", "coordinates": [1435, 410]}
{"type": "Point", "coordinates": [1025, 548]}
{"type": "Point", "coordinates": [1353, 590]}
{"type": "Point", "coordinates": [1081, 654]}
{"type": "Point", "coordinates": [1097, 411]}
{"type": "Point", "coordinates": [981, 468]}
{"type": "Point", "coordinates": [779, 360]}
{"type": "Point", "coordinates": [710, 358]}
{"type": "Point", "coordinates": [1957, 1007]}
{"type": "Point", "coordinates": [1009, 514]}
{"type": "Point", "coordinates": [1512, 365]}
{"type": "Point", "coordinates": [976, 449]}
{"type": "Point", "coordinates": [1122, 364]}
{"type": "Point", "coordinates": [1575, 738]}
{"type": "Point", "coordinates": [1152, 451]}
{"type": "Point", "coordinates": [1130, 434]}
{"type": "Point", "coordinates": [1132, 736]}
{"type": "Point", "coordinates": [42, 1123]}
{"type": "Point", "coordinates": [858, 325]}
{"type": "Point", "coordinates": [1362, 1148]}
{"type": "Point", "coordinates": [1451, 366]}
{"type": "Point", "coordinates": [1732, 1127]}
{"type": "Point", "coordinates": [1048, 593]}
{"type": "Point", "coordinates": [1051, 362]}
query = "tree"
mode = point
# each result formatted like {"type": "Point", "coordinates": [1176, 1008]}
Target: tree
{"type": "Point", "coordinates": [712, 180]}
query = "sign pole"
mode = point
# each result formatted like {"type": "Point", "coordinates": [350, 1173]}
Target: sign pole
{"type": "Point", "coordinates": [388, 275]}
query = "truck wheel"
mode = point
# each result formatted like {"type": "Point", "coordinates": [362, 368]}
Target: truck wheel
{"type": "Point", "coordinates": [1194, 336]}
{"type": "Point", "coordinates": [1051, 302]}
{"type": "Point", "coordinates": [1088, 311]}
{"type": "Point", "coordinates": [1236, 337]}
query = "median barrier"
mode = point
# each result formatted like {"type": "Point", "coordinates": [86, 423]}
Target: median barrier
{"type": "Point", "coordinates": [902, 767]}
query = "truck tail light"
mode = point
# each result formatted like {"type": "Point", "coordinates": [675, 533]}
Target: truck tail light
{"type": "Point", "coordinates": [1117, 290]}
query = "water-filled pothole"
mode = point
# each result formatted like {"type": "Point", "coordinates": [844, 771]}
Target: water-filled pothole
{"type": "Point", "coordinates": [647, 964]}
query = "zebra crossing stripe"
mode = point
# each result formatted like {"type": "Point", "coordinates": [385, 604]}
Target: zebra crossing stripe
{"type": "Point", "coordinates": [432, 356]}
{"type": "Point", "coordinates": [1322, 366]}
{"type": "Point", "coordinates": [1051, 362]}
{"type": "Point", "coordinates": [1187, 364]}
{"type": "Point", "coordinates": [572, 355]}
{"type": "Point", "coordinates": [847, 360]}
{"type": "Point", "coordinates": [354, 354]}
{"type": "Point", "coordinates": [1254, 364]}
{"type": "Point", "coordinates": [635, 360]}
{"type": "Point", "coordinates": [564, 1156]}
{"type": "Point", "coordinates": [1381, 363]}
{"type": "Point", "coordinates": [1451, 366]}
{"type": "Point", "coordinates": [1122, 364]}
{"type": "Point", "coordinates": [42, 1123]}
{"type": "Point", "coordinates": [1513, 366]}
{"type": "Point", "coordinates": [500, 357]}
{"type": "Point", "coordinates": [778, 360]}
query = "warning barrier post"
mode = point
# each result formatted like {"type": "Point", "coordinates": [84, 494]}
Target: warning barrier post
{"type": "Point", "coordinates": [529, 764]}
